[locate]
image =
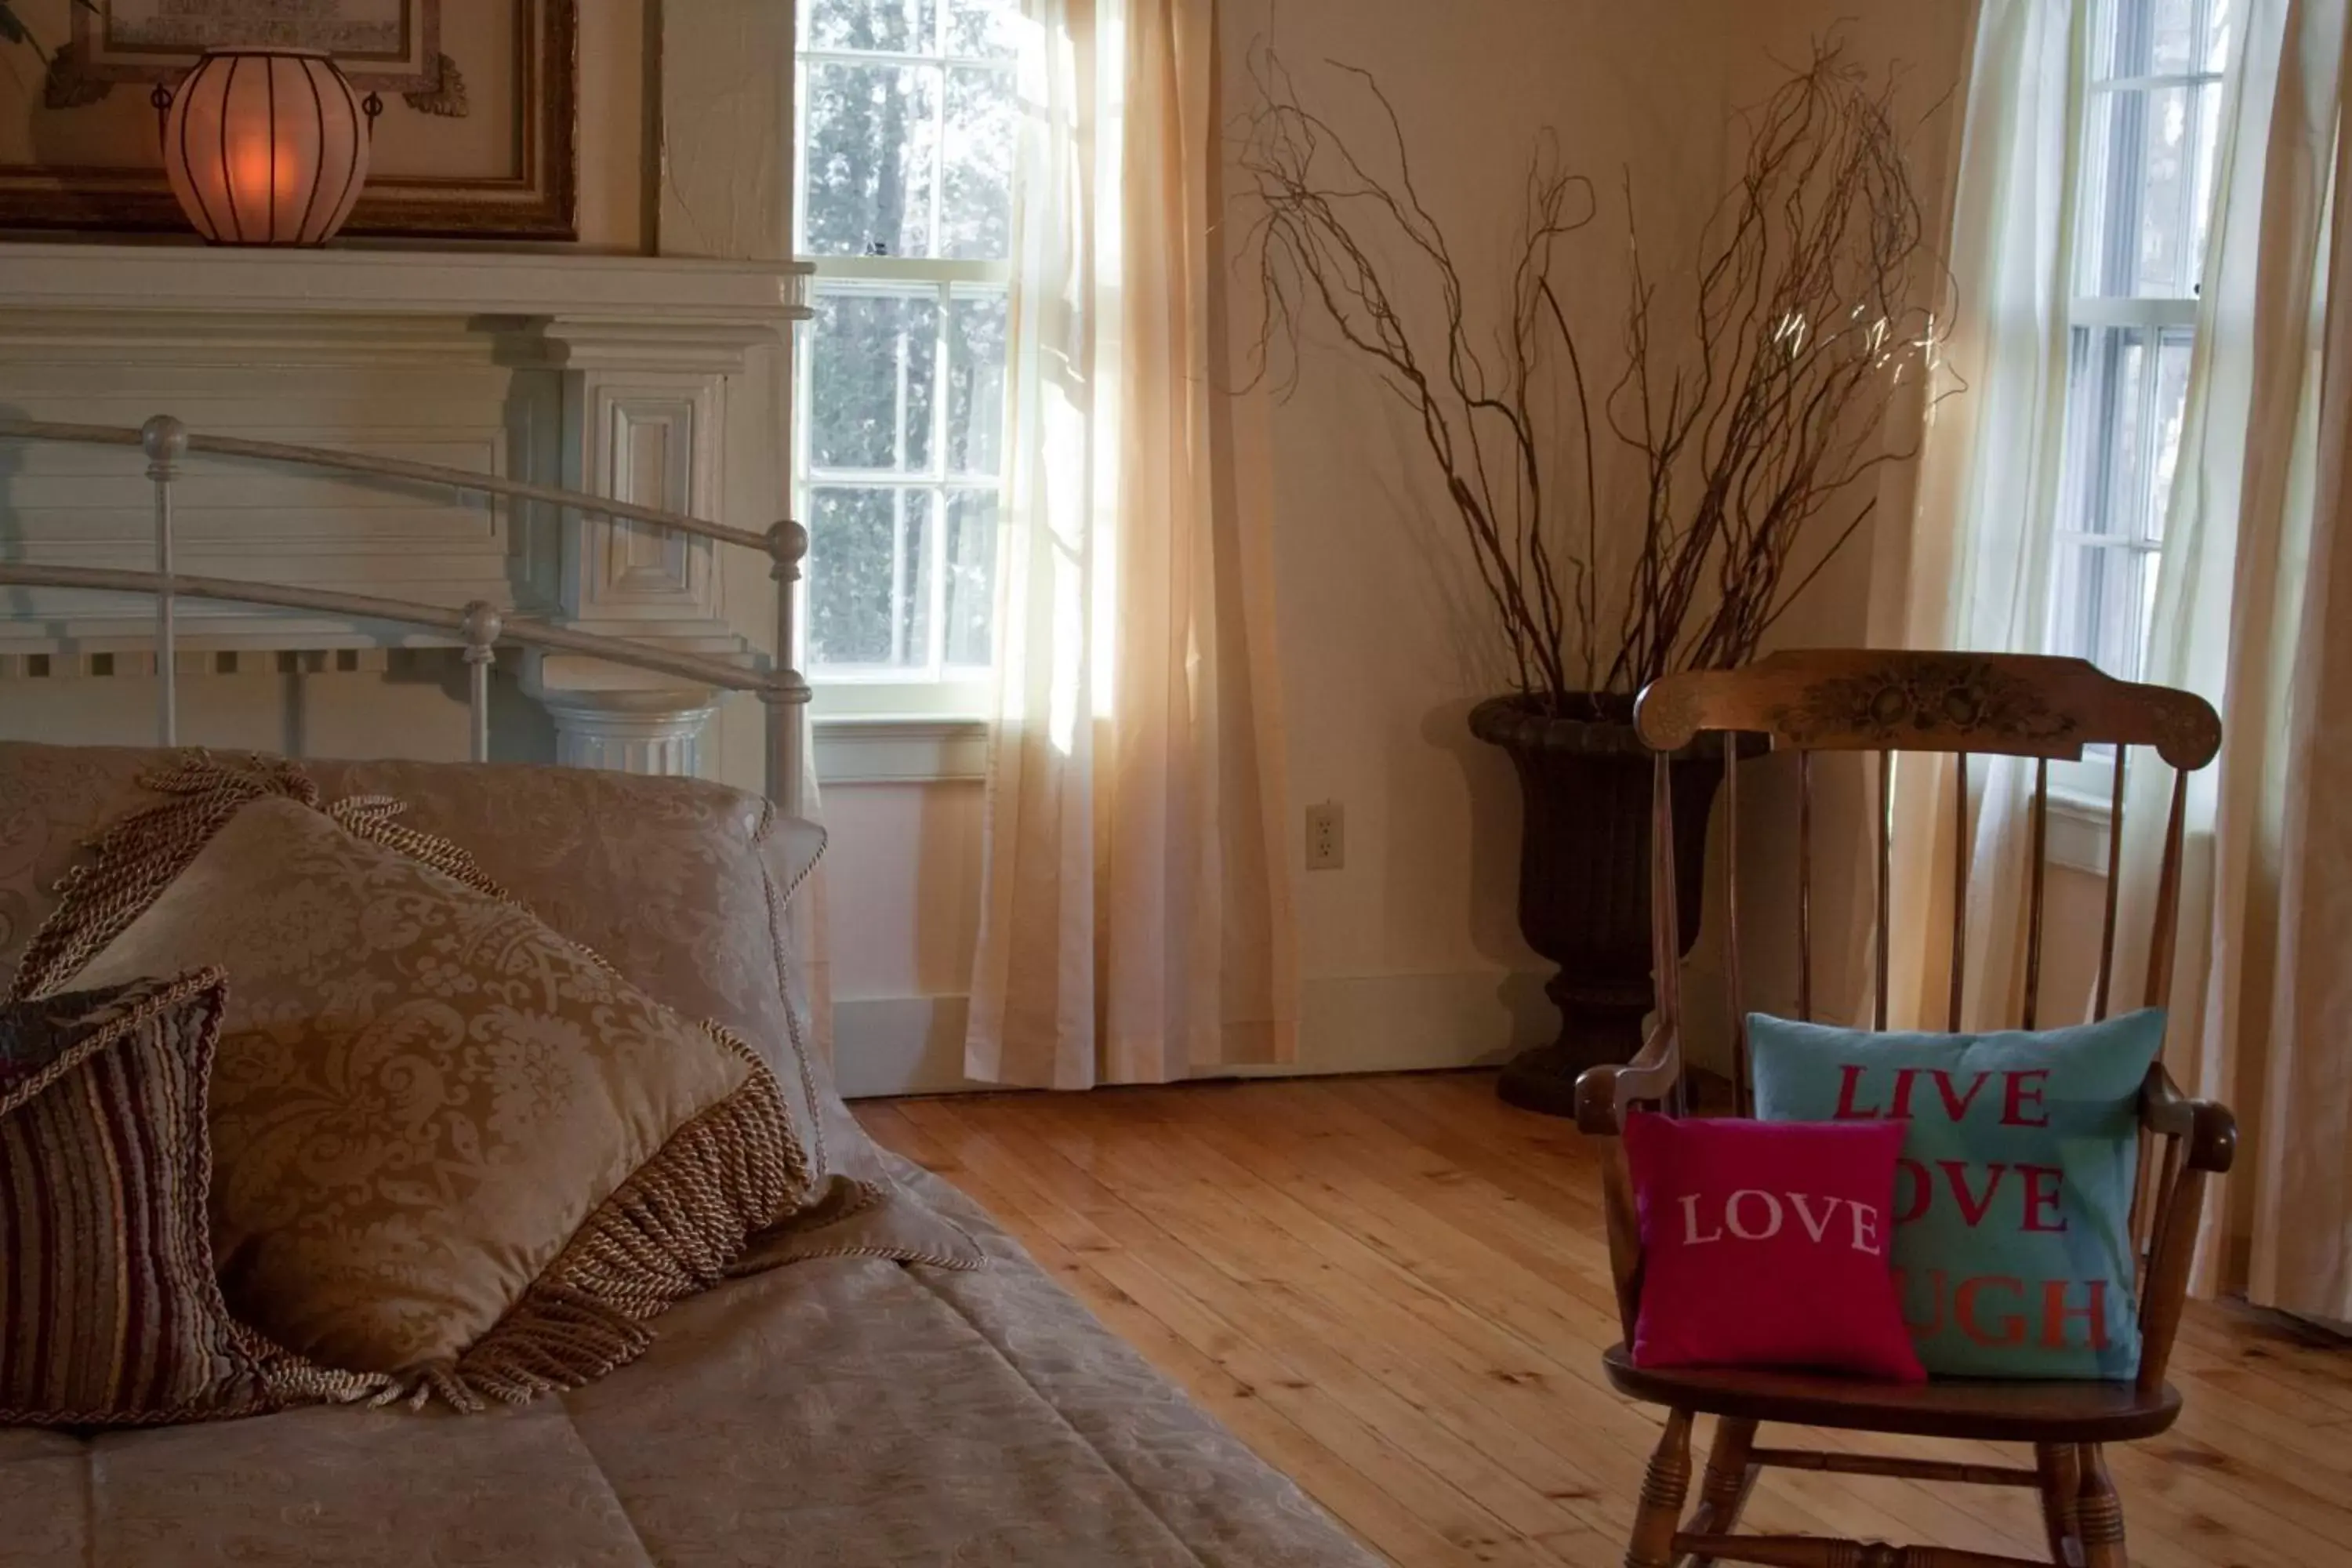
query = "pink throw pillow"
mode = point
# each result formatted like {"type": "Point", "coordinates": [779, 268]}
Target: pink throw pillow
{"type": "Point", "coordinates": [1765, 1243]}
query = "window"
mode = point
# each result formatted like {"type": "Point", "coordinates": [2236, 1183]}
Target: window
{"type": "Point", "coordinates": [904, 203]}
{"type": "Point", "coordinates": [2150, 124]}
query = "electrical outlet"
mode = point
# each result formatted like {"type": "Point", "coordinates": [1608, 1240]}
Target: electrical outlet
{"type": "Point", "coordinates": [1326, 837]}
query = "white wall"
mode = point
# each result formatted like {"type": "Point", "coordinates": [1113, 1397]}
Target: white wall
{"type": "Point", "coordinates": [614, 135]}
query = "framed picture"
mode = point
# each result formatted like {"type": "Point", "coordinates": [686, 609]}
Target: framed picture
{"type": "Point", "coordinates": [384, 46]}
{"type": "Point", "coordinates": [478, 137]}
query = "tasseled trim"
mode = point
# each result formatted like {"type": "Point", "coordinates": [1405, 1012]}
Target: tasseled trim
{"type": "Point", "coordinates": [370, 816]}
{"type": "Point", "coordinates": [668, 1232]}
{"type": "Point", "coordinates": [287, 1380]}
{"type": "Point", "coordinates": [140, 855]}
{"type": "Point", "coordinates": [552, 1339]}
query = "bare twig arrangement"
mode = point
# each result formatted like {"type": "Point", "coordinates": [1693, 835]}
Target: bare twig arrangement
{"type": "Point", "coordinates": [1765, 415]}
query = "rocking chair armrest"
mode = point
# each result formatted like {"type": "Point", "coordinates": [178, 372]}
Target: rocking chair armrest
{"type": "Point", "coordinates": [2209, 1127]}
{"type": "Point", "coordinates": [1605, 1095]}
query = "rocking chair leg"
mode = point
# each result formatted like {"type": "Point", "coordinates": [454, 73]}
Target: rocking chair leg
{"type": "Point", "coordinates": [2062, 1480]}
{"type": "Point", "coordinates": [1729, 1479]}
{"type": "Point", "coordinates": [2099, 1513]}
{"type": "Point", "coordinates": [1662, 1491]}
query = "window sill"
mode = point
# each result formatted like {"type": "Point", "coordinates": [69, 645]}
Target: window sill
{"type": "Point", "coordinates": [2080, 830]}
{"type": "Point", "coordinates": [900, 749]}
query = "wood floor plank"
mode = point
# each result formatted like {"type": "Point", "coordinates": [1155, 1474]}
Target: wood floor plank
{"type": "Point", "coordinates": [1396, 1290]}
{"type": "Point", "coordinates": [1473, 1507]}
{"type": "Point", "coordinates": [1290, 1300]}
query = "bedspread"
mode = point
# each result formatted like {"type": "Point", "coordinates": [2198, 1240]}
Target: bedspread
{"type": "Point", "coordinates": [838, 1411]}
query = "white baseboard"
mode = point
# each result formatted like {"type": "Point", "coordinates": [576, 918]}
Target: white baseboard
{"type": "Point", "coordinates": [1372, 1023]}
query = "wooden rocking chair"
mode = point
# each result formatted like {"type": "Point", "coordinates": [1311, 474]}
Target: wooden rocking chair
{"type": "Point", "coordinates": [2007, 705]}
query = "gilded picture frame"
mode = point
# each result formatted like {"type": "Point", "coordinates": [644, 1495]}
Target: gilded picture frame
{"type": "Point", "coordinates": [478, 138]}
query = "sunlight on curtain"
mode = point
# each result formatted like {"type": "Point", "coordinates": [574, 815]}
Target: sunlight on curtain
{"type": "Point", "coordinates": [1136, 903]}
{"type": "Point", "coordinates": [2251, 612]}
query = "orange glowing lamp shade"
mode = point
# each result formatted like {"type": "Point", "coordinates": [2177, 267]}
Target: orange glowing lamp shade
{"type": "Point", "coordinates": [267, 146]}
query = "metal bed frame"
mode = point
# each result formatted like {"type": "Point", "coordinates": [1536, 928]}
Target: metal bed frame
{"type": "Point", "coordinates": [479, 628]}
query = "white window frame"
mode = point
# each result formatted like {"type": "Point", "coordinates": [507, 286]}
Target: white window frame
{"type": "Point", "coordinates": [2084, 790]}
{"type": "Point", "coordinates": [861, 700]}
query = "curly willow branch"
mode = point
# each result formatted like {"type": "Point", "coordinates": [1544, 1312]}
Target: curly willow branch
{"type": "Point", "coordinates": [1757, 421]}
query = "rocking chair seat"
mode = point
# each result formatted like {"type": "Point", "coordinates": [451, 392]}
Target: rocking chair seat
{"type": "Point", "coordinates": [1978, 1408]}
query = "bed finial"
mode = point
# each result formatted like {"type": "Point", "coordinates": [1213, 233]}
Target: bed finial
{"type": "Point", "coordinates": [787, 544]}
{"type": "Point", "coordinates": [480, 628]}
{"type": "Point", "coordinates": [165, 441]}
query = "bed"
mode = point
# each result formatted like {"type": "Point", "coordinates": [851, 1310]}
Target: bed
{"type": "Point", "coordinates": [894, 1381]}
{"type": "Point", "coordinates": [883, 1378]}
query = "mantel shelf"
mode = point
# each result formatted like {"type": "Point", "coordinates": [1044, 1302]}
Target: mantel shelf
{"type": "Point", "coordinates": [142, 279]}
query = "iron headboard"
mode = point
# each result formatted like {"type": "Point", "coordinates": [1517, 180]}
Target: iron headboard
{"type": "Point", "coordinates": [479, 628]}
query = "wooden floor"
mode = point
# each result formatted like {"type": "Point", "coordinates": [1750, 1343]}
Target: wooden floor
{"type": "Point", "coordinates": [1396, 1290]}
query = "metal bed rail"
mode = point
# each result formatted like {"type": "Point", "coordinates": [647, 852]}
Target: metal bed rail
{"type": "Point", "coordinates": [478, 627]}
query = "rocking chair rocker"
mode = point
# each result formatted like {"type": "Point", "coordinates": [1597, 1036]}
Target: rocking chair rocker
{"type": "Point", "coordinates": [1884, 701]}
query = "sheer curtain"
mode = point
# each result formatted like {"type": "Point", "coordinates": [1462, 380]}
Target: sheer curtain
{"type": "Point", "coordinates": [2252, 608]}
{"type": "Point", "coordinates": [1136, 920]}
{"type": "Point", "coordinates": [2252, 602]}
{"type": "Point", "coordinates": [1977, 571]}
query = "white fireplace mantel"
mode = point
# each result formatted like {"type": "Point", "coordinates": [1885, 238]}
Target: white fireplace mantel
{"type": "Point", "coordinates": [162, 278]}
{"type": "Point", "coordinates": [621, 376]}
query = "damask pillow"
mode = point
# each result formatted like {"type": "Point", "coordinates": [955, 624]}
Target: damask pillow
{"type": "Point", "coordinates": [451, 1146]}
{"type": "Point", "coordinates": [109, 1313]}
{"type": "Point", "coordinates": [690, 889]}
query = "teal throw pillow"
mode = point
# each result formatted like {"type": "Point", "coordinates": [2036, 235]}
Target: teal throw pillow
{"type": "Point", "coordinates": [2013, 1199]}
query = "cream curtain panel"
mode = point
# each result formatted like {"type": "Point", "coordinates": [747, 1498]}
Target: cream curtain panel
{"type": "Point", "coordinates": [1978, 564]}
{"type": "Point", "coordinates": [1136, 922]}
{"type": "Point", "coordinates": [2251, 604]}
{"type": "Point", "coordinates": [2252, 611]}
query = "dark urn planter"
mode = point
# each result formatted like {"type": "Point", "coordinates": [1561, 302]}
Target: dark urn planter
{"type": "Point", "coordinates": [1584, 878]}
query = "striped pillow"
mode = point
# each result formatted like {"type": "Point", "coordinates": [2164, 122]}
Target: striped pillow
{"type": "Point", "coordinates": [109, 1313]}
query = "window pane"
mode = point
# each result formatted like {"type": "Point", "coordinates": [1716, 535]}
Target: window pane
{"type": "Point", "coordinates": [2149, 179]}
{"type": "Point", "coordinates": [2220, 28]}
{"type": "Point", "coordinates": [2108, 471]}
{"type": "Point", "coordinates": [2172, 37]}
{"type": "Point", "coordinates": [916, 580]}
{"type": "Point", "coordinates": [867, 575]}
{"type": "Point", "coordinates": [976, 383]}
{"type": "Point", "coordinates": [872, 132]}
{"type": "Point", "coordinates": [987, 28]}
{"type": "Point", "coordinates": [900, 27]}
{"type": "Point", "coordinates": [976, 204]}
{"type": "Point", "coordinates": [2162, 37]}
{"type": "Point", "coordinates": [2172, 356]}
{"type": "Point", "coordinates": [972, 575]}
{"type": "Point", "coordinates": [2105, 594]}
{"type": "Point", "coordinates": [872, 365]}
{"type": "Point", "coordinates": [2127, 398]}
